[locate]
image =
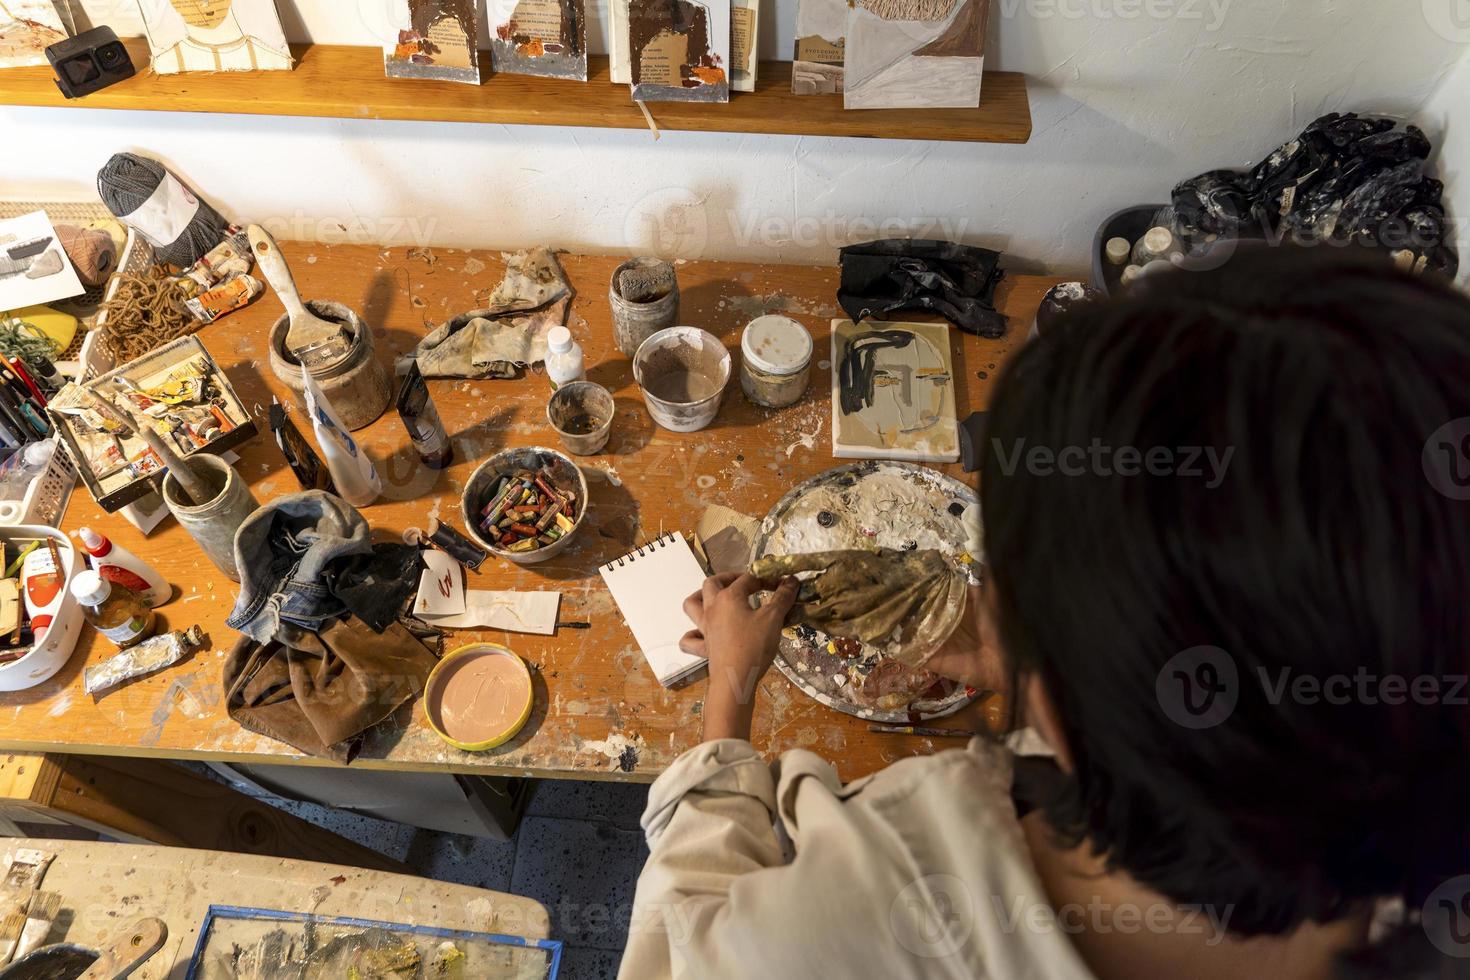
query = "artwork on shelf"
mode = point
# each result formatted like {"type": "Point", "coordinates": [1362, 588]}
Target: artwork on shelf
{"type": "Point", "coordinates": [619, 61]}
{"type": "Point", "coordinates": [27, 29]}
{"type": "Point", "coordinates": [34, 268]}
{"type": "Point", "coordinates": [744, 28]}
{"type": "Point", "coordinates": [214, 35]}
{"type": "Point", "coordinates": [893, 392]}
{"type": "Point", "coordinates": [679, 50]}
{"type": "Point", "coordinates": [821, 37]}
{"type": "Point", "coordinates": [436, 39]}
{"type": "Point", "coordinates": [539, 37]}
{"type": "Point", "coordinates": [914, 54]}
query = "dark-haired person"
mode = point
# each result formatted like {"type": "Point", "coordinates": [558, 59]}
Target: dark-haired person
{"type": "Point", "coordinates": [1252, 691]}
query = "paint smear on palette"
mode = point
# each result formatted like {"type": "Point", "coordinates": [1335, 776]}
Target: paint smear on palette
{"type": "Point", "coordinates": [539, 37]}
{"type": "Point", "coordinates": [893, 392]}
{"type": "Point", "coordinates": [678, 50]}
{"type": "Point", "coordinates": [436, 39]}
{"type": "Point", "coordinates": [862, 506]}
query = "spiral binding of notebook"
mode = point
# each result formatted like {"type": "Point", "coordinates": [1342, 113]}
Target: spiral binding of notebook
{"type": "Point", "coordinates": [650, 584]}
{"type": "Point", "coordinates": [643, 551]}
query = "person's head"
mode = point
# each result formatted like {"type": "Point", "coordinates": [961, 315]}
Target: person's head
{"type": "Point", "coordinates": [1227, 522]}
{"type": "Point", "coordinates": [206, 14]}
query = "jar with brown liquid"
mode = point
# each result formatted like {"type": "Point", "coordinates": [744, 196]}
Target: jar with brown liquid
{"type": "Point", "coordinates": [118, 612]}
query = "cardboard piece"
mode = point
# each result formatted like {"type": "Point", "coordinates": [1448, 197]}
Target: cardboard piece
{"type": "Point", "coordinates": [914, 54]}
{"type": "Point", "coordinates": [27, 29]}
{"type": "Point", "coordinates": [435, 39]}
{"type": "Point", "coordinates": [821, 37]}
{"type": "Point", "coordinates": [893, 392]}
{"type": "Point", "coordinates": [34, 268]}
{"type": "Point", "coordinates": [539, 37]}
{"type": "Point", "coordinates": [679, 50]}
{"type": "Point", "coordinates": [214, 35]}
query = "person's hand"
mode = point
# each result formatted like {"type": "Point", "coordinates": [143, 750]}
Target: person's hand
{"type": "Point", "coordinates": [972, 655]}
{"type": "Point", "coordinates": [739, 642]}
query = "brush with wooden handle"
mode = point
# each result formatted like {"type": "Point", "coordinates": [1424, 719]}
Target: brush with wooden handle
{"type": "Point", "coordinates": [312, 340]}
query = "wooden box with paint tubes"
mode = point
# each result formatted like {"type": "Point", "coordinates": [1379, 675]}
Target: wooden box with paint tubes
{"type": "Point", "coordinates": [179, 389]}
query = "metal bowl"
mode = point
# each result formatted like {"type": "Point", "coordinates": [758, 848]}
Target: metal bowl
{"type": "Point", "coordinates": [480, 490]}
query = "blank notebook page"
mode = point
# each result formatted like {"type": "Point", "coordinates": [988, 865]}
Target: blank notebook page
{"type": "Point", "coordinates": [650, 586]}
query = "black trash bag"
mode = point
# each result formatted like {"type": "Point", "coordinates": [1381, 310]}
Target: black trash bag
{"type": "Point", "coordinates": [377, 587]}
{"type": "Point", "coordinates": [1345, 178]}
{"type": "Point", "coordinates": [897, 274]}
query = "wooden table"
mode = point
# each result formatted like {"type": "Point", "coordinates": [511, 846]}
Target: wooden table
{"type": "Point", "coordinates": [105, 887]}
{"type": "Point", "coordinates": [593, 688]}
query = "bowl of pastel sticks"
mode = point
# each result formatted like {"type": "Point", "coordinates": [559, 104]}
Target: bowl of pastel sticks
{"type": "Point", "coordinates": [525, 505]}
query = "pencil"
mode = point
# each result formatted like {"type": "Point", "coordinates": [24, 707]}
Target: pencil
{"type": "Point", "coordinates": [917, 730]}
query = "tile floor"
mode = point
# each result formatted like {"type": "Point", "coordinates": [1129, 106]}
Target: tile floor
{"type": "Point", "coordinates": [578, 851]}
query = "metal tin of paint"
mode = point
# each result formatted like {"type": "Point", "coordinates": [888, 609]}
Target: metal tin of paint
{"type": "Point", "coordinates": [775, 362]}
{"type": "Point", "coordinates": [444, 672]}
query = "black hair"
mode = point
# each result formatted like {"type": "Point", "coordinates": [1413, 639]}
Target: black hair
{"type": "Point", "coordinates": [1333, 542]}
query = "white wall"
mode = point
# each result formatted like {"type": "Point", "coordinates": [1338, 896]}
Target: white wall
{"type": "Point", "coordinates": [1447, 114]}
{"type": "Point", "coordinates": [1127, 96]}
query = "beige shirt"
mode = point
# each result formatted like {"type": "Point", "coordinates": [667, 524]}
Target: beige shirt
{"type": "Point", "coordinates": [919, 870]}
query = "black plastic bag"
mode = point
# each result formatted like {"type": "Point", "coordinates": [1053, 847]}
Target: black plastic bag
{"type": "Point", "coordinates": [898, 274]}
{"type": "Point", "coordinates": [1345, 178]}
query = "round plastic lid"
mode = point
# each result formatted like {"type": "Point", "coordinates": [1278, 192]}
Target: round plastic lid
{"type": "Point", "coordinates": [559, 340]}
{"type": "Point", "coordinates": [776, 344]}
{"type": "Point", "coordinates": [1158, 240]}
{"type": "Point", "coordinates": [1118, 250]}
{"type": "Point", "coordinates": [90, 588]}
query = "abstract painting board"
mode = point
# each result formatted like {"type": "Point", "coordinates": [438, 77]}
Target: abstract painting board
{"type": "Point", "coordinates": [620, 62]}
{"type": "Point", "coordinates": [679, 50]}
{"type": "Point", "coordinates": [34, 268]}
{"type": "Point", "coordinates": [893, 392]}
{"type": "Point", "coordinates": [821, 37]}
{"type": "Point", "coordinates": [214, 35]}
{"type": "Point", "coordinates": [436, 39]}
{"type": "Point", "coordinates": [27, 29]}
{"type": "Point", "coordinates": [914, 54]}
{"type": "Point", "coordinates": [744, 29]}
{"type": "Point", "coordinates": [539, 37]}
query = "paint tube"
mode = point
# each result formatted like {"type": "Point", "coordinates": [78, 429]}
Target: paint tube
{"type": "Point", "coordinates": [455, 545]}
{"type": "Point", "coordinates": [225, 298]}
{"type": "Point", "coordinates": [354, 474]}
{"type": "Point", "coordinates": [310, 471]}
{"type": "Point", "coordinates": [421, 419]}
{"type": "Point", "coordinates": [153, 654]}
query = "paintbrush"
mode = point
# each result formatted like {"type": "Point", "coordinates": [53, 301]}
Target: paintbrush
{"type": "Point", "coordinates": [192, 487]}
{"type": "Point", "coordinates": [918, 730]}
{"type": "Point", "coordinates": [44, 907]}
{"type": "Point", "coordinates": [10, 928]}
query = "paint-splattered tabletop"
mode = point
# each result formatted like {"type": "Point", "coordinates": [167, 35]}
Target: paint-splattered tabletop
{"type": "Point", "coordinates": [599, 713]}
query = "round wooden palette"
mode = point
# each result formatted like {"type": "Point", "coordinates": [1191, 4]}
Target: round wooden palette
{"type": "Point", "coordinates": [869, 504]}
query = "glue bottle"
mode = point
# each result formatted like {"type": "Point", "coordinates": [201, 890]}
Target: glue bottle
{"type": "Point", "coordinates": [564, 363]}
{"type": "Point", "coordinates": [121, 567]}
{"type": "Point", "coordinates": [353, 473]}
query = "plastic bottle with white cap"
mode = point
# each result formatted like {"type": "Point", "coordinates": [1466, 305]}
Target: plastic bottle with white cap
{"type": "Point", "coordinates": [119, 565]}
{"type": "Point", "coordinates": [564, 362]}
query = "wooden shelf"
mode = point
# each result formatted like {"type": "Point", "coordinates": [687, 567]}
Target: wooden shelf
{"type": "Point", "coordinates": [348, 83]}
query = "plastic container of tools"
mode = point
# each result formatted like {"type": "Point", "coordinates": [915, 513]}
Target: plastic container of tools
{"type": "Point", "coordinates": [45, 500]}
{"type": "Point", "coordinates": [55, 649]}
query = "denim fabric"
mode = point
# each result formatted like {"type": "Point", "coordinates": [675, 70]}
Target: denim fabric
{"type": "Point", "coordinates": [281, 551]}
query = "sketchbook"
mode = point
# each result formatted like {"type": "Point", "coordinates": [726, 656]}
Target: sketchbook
{"type": "Point", "coordinates": [650, 586]}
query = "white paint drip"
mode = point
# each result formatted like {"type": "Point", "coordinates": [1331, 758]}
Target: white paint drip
{"type": "Point", "coordinates": [807, 440]}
